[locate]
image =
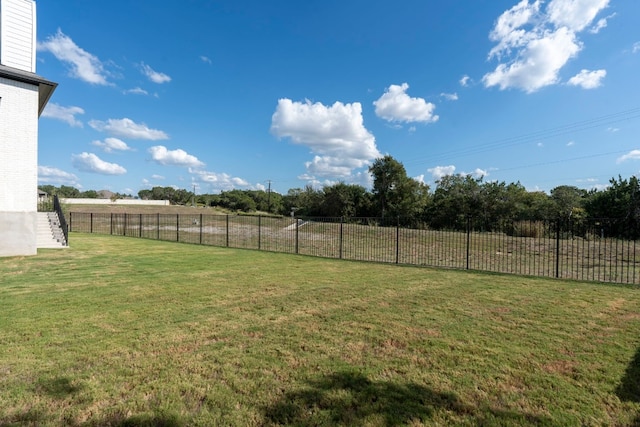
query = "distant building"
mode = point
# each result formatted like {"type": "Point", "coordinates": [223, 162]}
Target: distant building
{"type": "Point", "coordinates": [23, 96]}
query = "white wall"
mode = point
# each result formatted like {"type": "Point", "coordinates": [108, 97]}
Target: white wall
{"type": "Point", "coordinates": [18, 34]}
{"type": "Point", "coordinates": [18, 167]}
{"type": "Point", "coordinates": [115, 202]}
{"type": "Point", "coordinates": [19, 108]}
{"type": "Point", "coordinates": [18, 146]}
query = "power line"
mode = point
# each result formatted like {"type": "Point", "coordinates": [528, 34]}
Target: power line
{"type": "Point", "coordinates": [534, 136]}
{"type": "Point", "coordinates": [553, 162]}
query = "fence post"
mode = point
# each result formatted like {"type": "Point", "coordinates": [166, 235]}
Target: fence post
{"type": "Point", "coordinates": [558, 248]}
{"type": "Point", "coordinates": [140, 226]}
{"type": "Point", "coordinates": [91, 222]}
{"type": "Point", "coordinates": [110, 224]}
{"type": "Point", "coordinates": [468, 238]}
{"type": "Point", "coordinates": [297, 226]}
{"type": "Point", "coordinates": [227, 230]}
{"type": "Point", "coordinates": [200, 228]}
{"type": "Point", "coordinates": [259, 231]}
{"type": "Point", "coordinates": [124, 231]}
{"type": "Point", "coordinates": [70, 221]}
{"type": "Point", "coordinates": [341, 234]}
{"type": "Point", "coordinates": [297, 234]}
{"type": "Point", "coordinates": [397, 240]}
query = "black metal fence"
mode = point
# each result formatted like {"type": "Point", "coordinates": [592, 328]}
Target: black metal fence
{"type": "Point", "coordinates": [588, 250]}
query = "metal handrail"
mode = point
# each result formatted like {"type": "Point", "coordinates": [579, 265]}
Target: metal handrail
{"type": "Point", "coordinates": [63, 222]}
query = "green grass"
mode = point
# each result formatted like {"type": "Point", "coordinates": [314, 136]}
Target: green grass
{"type": "Point", "coordinates": [124, 331]}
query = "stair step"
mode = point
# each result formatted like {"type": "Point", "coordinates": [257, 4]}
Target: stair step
{"type": "Point", "coordinates": [49, 233]}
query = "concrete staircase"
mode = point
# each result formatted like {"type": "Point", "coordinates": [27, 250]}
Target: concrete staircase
{"type": "Point", "coordinates": [50, 233]}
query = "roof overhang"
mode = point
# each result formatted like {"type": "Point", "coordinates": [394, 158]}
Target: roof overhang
{"type": "Point", "coordinates": [45, 87]}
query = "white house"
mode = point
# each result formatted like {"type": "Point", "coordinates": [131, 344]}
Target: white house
{"type": "Point", "coordinates": [23, 96]}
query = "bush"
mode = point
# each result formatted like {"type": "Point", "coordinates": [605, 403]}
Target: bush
{"type": "Point", "coordinates": [534, 229]}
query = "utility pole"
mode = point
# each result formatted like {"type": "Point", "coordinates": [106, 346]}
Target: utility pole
{"type": "Point", "coordinates": [269, 197]}
{"type": "Point", "coordinates": [193, 197]}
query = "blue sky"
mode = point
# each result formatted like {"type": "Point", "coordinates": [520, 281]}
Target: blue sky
{"type": "Point", "coordinates": [229, 94]}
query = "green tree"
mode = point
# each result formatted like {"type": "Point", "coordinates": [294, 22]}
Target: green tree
{"type": "Point", "coordinates": [618, 207]}
{"type": "Point", "coordinates": [455, 199]}
{"type": "Point", "coordinates": [395, 194]}
{"type": "Point", "coordinates": [305, 201]}
{"type": "Point", "coordinates": [266, 201]}
{"type": "Point", "coordinates": [236, 200]}
{"type": "Point", "coordinates": [345, 200]}
{"type": "Point", "coordinates": [49, 189]}
{"type": "Point", "coordinates": [566, 199]}
{"type": "Point", "coordinates": [69, 192]}
{"type": "Point", "coordinates": [537, 205]}
{"type": "Point", "coordinates": [145, 194]}
{"type": "Point", "coordinates": [89, 194]}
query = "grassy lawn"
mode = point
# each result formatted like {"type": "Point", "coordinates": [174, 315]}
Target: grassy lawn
{"type": "Point", "coordinates": [124, 331]}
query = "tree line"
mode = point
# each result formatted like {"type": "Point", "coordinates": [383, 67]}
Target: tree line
{"type": "Point", "coordinates": [396, 196]}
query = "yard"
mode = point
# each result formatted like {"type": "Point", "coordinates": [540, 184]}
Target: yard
{"type": "Point", "coordinates": [123, 331]}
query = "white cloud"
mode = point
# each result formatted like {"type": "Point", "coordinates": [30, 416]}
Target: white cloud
{"type": "Point", "coordinates": [89, 162]}
{"type": "Point", "coordinates": [396, 106]}
{"type": "Point", "coordinates": [439, 172]}
{"type": "Point", "coordinates": [449, 96]}
{"type": "Point", "coordinates": [576, 15]}
{"type": "Point", "coordinates": [178, 157]}
{"type": "Point", "coordinates": [479, 173]}
{"type": "Point", "coordinates": [335, 134]}
{"type": "Point", "coordinates": [538, 62]}
{"type": "Point", "coordinates": [112, 144]}
{"type": "Point", "coordinates": [153, 75]}
{"type": "Point", "coordinates": [602, 23]}
{"type": "Point", "coordinates": [571, 143]}
{"type": "Point", "coordinates": [66, 114]}
{"type": "Point", "coordinates": [127, 128]}
{"type": "Point", "coordinates": [534, 45]}
{"type": "Point", "coordinates": [84, 65]}
{"type": "Point", "coordinates": [205, 59]}
{"type": "Point", "coordinates": [507, 31]}
{"type": "Point", "coordinates": [218, 181]}
{"type": "Point", "coordinates": [588, 79]}
{"type": "Point", "coordinates": [465, 81]}
{"type": "Point", "coordinates": [136, 91]}
{"type": "Point", "coordinates": [155, 176]}
{"type": "Point", "coordinates": [636, 47]}
{"type": "Point", "coordinates": [332, 166]}
{"type": "Point", "coordinates": [631, 155]}
{"type": "Point", "coordinates": [50, 175]}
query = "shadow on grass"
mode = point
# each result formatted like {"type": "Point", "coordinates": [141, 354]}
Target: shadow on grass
{"type": "Point", "coordinates": [58, 388]}
{"type": "Point", "coordinates": [629, 388]}
{"type": "Point", "coordinates": [349, 398]}
{"type": "Point", "coordinates": [37, 418]}
{"type": "Point", "coordinates": [63, 388]}
{"type": "Point", "coordinates": [161, 419]}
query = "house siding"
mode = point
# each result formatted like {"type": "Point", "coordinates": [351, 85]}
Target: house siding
{"type": "Point", "coordinates": [18, 34]}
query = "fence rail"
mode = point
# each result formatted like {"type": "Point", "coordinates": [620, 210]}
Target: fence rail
{"type": "Point", "coordinates": [585, 251]}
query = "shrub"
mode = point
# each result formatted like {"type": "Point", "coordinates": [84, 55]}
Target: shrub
{"type": "Point", "coordinates": [534, 229]}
